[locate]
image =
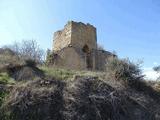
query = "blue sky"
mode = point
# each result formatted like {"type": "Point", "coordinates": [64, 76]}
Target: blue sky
{"type": "Point", "coordinates": [129, 27]}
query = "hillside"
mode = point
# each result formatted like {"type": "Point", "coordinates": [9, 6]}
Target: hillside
{"type": "Point", "coordinates": [29, 92]}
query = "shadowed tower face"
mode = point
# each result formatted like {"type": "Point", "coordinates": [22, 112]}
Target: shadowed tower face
{"type": "Point", "coordinates": [75, 34]}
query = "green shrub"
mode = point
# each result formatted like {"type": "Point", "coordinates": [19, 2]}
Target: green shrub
{"type": "Point", "coordinates": [2, 96]}
{"type": "Point", "coordinates": [5, 79]}
{"type": "Point", "coordinates": [49, 57]}
{"type": "Point", "coordinates": [124, 70]}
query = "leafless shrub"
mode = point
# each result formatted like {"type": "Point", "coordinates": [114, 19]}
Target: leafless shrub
{"type": "Point", "coordinates": [156, 68]}
{"type": "Point", "coordinates": [123, 70]}
{"type": "Point", "coordinates": [9, 58]}
{"type": "Point", "coordinates": [28, 49]}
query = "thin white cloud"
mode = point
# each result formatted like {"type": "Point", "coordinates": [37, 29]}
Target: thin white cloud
{"type": "Point", "coordinates": [150, 74]}
{"type": "Point", "coordinates": [155, 63]}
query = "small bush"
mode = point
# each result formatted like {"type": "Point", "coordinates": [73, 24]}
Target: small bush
{"type": "Point", "coordinates": [5, 79]}
{"type": "Point", "coordinates": [49, 57]}
{"type": "Point", "coordinates": [30, 62]}
{"type": "Point", "coordinates": [27, 49]}
{"type": "Point", "coordinates": [3, 95]}
{"type": "Point", "coordinates": [9, 58]}
{"type": "Point", "coordinates": [124, 70]}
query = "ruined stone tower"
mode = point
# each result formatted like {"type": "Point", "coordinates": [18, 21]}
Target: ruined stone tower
{"type": "Point", "coordinates": [75, 47]}
{"type": "Point", "coordinates": [76, 34]}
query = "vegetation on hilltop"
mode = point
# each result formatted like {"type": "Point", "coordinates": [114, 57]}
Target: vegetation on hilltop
{"type": "Point", "coordinates": [36, 92]}
{"type": "Point", "coordinates": [27, 49]}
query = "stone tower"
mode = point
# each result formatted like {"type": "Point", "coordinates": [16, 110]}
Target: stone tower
{"type": "Point", "coordinates": [75, 47]}
{"type": "Point", "coordinates": [76, 34]}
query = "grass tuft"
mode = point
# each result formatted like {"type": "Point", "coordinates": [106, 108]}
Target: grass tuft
{"type": "Point", "coordinates": [67, 74]}
{"type": "Point", "coordinates": [5, 79]}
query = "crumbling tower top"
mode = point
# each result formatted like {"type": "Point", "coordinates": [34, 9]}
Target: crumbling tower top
{"type": "Point", "coordinates": [75, 34]}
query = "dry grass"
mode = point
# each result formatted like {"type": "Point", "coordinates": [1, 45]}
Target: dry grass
{"type": "Point", "coordinates": [67, 74]}
{"type": "Point", "coordinates": [34, 100]}
{"type": "Point", "coordinates": [85, 98]}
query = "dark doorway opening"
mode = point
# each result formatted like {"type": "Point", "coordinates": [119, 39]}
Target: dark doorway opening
{"type": "Point", "coordinates": [88, 57]}
{"type": "Point", "coordinates": [85, 49]}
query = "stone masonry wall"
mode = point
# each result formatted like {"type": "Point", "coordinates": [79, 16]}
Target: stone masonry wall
{"type": "Point", "coordinates": [83, 34]}
{"type": "Point", "coordinates": [101, 59]}
{"type": "Point", "coordinates": [70, 58]}
{"type": "Point", "coordinates": [76, 34]}
{"type": "Point", "coordinates": [62, 38]}
{"type": "Point", "coordinates": [75, 47]}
